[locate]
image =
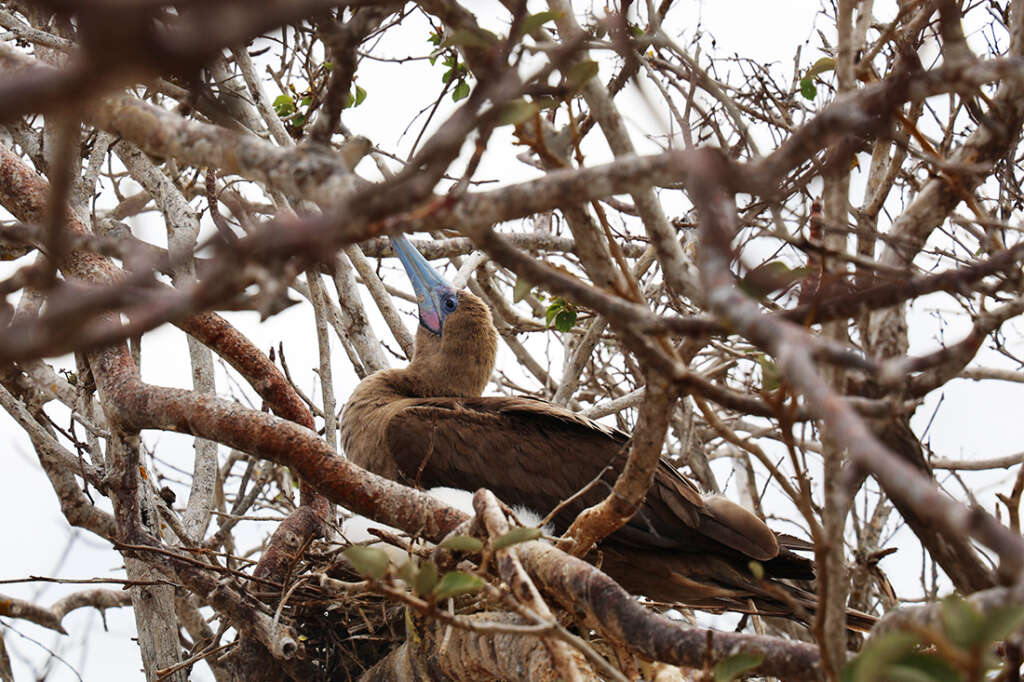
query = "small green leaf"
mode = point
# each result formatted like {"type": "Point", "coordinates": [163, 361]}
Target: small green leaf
{"type": "Point", "coordinates": [461, 91]}
{"type": "Point", "coordinates": [756, 569]}
{"type": "Point", "coordinates": [426, 579]}
{"type": "Point", "coordinates": [879, 653]}
{"type": "Point", "coordinates": [408, 571]}
{"type": "Point", "coordinates": [515, 536]}
{"type": "Point", "coordinates": [476, 37]}
{"type": "Point", "coordinates": [769, 277]}
{"type": "Point", "coordinates": [808, 89]}
{"type": "Point", "coordinates": [554, 308]}
{"type": "Point", "coordinates": [961, 620]}
{"type": "Point", "coordinates": [730, 668]}
{"type": "Point", "coordinates": [771, 379]}
{"type": "Point", "coordinates": [1000, 622]}
{"type": "Point", "coordinates": [462, 543]}
{"type": "Point", "coordinates": [636, 30]}
{"type": "Point", "coordinates": [916, 667]}
{"type": "Point", "coordinates": [565, 320]}
{"type": "Point", "coordinates": [521, 290]}
{"type": "Point", "coordinates": [455, 583]}
{"type": "Point", "coordinates": [580, 73]}
{"type": "Point", "coordinates": [368, 561]}
{"type": "Point", "coordinates": [284, 105]}
{"type": "Point", "coordinates": [515, 112]}
{"type": "Point", "coordinates": [547, 102]}
{"type": "Point", "coordinates": [821, 66]}
{"type": "Point", "coordinates": [535, 21]}
{"type": "Point", "coordinates": [354, 99]}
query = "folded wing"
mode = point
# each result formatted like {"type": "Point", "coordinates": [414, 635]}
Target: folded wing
{"type": "Point", "coordinates": [539, 455]}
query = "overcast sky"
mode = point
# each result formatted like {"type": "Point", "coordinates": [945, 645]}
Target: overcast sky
{"type": "Point", "coordinates": [967, 419]}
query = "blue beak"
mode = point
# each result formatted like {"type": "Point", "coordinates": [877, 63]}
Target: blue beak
{"type": "Point", "coordinates": [436, 298]}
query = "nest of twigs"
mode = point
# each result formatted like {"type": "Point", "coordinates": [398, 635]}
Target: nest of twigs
{"type": "Point", "coordinates": [344, 635]}
{"type": "Point", "coordinates": [346, 623]}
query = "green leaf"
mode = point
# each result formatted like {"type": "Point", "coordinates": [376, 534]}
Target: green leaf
{"type": "Point", "coordinates": [515, 112]}
{"type": "Point", "coordinates": [1000, 622]}
{"type": "Point", "coordinates": [515, 536]}
{"type": "Point", "coordinates": [408, 571]}
{"type": "Point", "coordinates": [521, 290]}
{"type": "Point", "coordinates": [461, 91]}
{"type": "Point", "coordinates": [821, 66]}
{"type": "Point", "coordinates": [730, 668]}
{"type": "Point", "coordinates": [426, 579]}
{"type": "Point", "coordinates": [771, 379]}
{"type": "Point", "coordinates": [756, 569]}
{"type": "Point", "coordinates": [475, 37]}
{"type": "Point", "coordinates": [368, 561]}
{"type": "Point", "coordinates": [455, 583]}
{"type": "Point", "coordinates": [878, 655]}
{"type": "Point", "coordinates": [535, 21]}
{"type": "Point", "coordinates": [565, 320]}
{"type": "Point", "coordinates": [808, 89]}
{"type": "Point", "coordinates": [284, 105]}
{"type": "Point", "coordinates": [554, 308]}
{"type": "Point", "coordinates": [961, 620]}
{"type": "Point", "coordinates": [462, 543]}
{"type": "Point", "coordinates": [547, 102]}
{"type": "Point", "coordinates": [360, 96]}
{"type": "Point", "coordinates": [769, 277]}
{"type": "Point", "coordinates": [918, 667]}
{"type": "Point", "coordinates": [636, 30]}
{"type": "Point", "coordinates": [580, 73]}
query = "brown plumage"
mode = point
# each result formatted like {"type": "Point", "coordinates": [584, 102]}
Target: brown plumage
{"type": "Point", "coordinates": [426, 425]}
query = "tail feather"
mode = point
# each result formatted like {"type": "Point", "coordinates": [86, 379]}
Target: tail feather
{"type": "Point", "coordinates": [713, 583]}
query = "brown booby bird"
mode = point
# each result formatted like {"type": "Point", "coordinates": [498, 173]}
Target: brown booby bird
{"type": "Point", "coordinates": [427, 425]}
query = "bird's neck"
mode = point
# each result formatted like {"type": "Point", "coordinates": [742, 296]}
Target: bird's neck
{"type": "Point", "coordinates": [437, 375]}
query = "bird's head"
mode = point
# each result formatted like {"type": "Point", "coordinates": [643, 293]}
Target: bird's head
{"type": "Point", "coordinates": [456, 342]}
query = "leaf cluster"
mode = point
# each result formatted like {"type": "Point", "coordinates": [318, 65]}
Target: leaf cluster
{"type": "Point", "coordinates": [958, 651]}
{"type": "Point", "coordinates": [424, 577]}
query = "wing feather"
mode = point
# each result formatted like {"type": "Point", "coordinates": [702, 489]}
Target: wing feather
{"type": "Point", "coordinates": [536, 454]}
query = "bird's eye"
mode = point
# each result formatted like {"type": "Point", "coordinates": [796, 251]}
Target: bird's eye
{"type": "Point", "coordinates": [449, 303]}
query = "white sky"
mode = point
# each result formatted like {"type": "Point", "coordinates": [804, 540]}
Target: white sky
{"type": "Point", "coordinates": [973, 420]}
